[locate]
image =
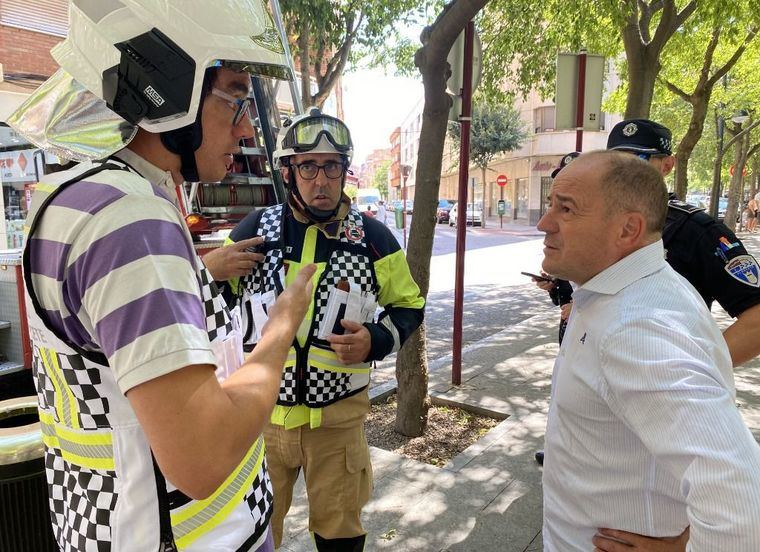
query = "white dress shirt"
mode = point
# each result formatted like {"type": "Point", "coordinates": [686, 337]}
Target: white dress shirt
{"type": "Point", "coordinates": [643, 432]}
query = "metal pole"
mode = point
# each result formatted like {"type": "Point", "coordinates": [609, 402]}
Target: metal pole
{"type": "Point", "coordinates": [464, 165]}
{"type": "Point", "coordinates": [581, 104]}
{"type": "Point", "coordinates": [297, 105]}
{"type": "Point", "coordinates": [501, 217]}
{"type": "Point", "coordinates": [403, 212]}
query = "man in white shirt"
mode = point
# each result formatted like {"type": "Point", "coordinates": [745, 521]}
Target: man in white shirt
{"type": "Point", "coordinates": [643, 433]}
{"type": "Point", "coordinates": [382, 213]}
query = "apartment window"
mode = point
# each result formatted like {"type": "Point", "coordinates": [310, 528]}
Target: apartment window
{"type": "Point", "coordinates": [544, 118]}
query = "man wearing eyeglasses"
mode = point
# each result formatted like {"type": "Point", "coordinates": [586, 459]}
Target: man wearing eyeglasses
{"type": "Point", "coordinates": [318, 423]}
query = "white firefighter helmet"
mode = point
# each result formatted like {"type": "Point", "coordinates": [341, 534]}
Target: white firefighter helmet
{"type": "Point", "coordinates": [313, 132]}
{"type": "Point", "coordinates": [147, 58]}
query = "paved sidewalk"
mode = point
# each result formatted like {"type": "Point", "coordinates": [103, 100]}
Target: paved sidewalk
{"type": "Point", "coordinates": [488, 498]}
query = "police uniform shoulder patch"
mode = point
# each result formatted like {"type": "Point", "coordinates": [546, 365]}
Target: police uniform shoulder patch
{"type": "Point", "coordinates": [630, 129]}
{"type": "Point", "coordinates": [683, 206]}
{"type": "Point", "coordinates": [744, 268]}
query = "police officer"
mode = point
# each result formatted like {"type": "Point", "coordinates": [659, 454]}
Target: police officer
{"type": "Point", "coordinates": [318, 423]}
{"type": "Point", "coordinates": [700, 248]}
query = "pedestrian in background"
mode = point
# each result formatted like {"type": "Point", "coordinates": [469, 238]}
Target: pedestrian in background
{"type": "Point", "coordinates": [382, 212]}
{"type": "Point", "coordinates": [643, 433]}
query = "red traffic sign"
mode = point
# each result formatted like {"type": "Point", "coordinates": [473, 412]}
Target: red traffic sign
{"type": "Point", "coordinates": [732, 170]}
{"type": "Point", "coordinates": [502, 180]}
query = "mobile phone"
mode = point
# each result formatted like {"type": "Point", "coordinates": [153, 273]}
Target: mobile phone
{"type": "Point", "coordinates": [537, 277]}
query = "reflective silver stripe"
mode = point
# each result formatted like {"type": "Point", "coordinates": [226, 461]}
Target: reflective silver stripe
{"type": "Point", "coordinates": [207, 512]}
{"type": "Point", "coordinates": [388, 324]}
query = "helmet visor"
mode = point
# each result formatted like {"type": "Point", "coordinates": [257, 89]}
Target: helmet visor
{"type": "Point", "coordinates": [255, 69]}
{"type": "Point", "coordinates": [305, 134]}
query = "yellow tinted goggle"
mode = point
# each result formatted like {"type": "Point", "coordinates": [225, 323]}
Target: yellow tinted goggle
{"type": "Point", "coordinates": [305, 134]}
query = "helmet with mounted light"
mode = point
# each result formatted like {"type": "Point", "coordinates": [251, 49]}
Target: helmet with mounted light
{"type": "Point", "coordinates": [148, 61]}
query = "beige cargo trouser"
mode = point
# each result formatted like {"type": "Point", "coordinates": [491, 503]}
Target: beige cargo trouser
{"type": "Point", "coordinates": [337, 471]}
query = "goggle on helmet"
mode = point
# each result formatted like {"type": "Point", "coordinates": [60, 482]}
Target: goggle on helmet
{"type": "Point", "coordinates": [314, 132]}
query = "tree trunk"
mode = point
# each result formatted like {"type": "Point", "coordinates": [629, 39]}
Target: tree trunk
{"type": "Point", "coordinates": [411, 364]}
{"type": "Point", "coordinates": [735, 189]}
{"type": "Point", "coordinates": [642, 75]}
{"type": "Point", "coordinates": [689, 141]}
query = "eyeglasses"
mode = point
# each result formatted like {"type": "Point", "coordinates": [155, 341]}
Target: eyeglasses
{"type": "Point", "coordinates": [240, 106]}
{"type": "Point", "coordinates": [309, 171]}
{"type": "Point", "coordinates": [305, 134]}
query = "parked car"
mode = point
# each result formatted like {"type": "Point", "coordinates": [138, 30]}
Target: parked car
{"type": "Point", "coordinates": [409, 206]}
{"type": "Point", "coordinates": [444, 206]}
{"type": "Point", "coordinates": [474, 214]}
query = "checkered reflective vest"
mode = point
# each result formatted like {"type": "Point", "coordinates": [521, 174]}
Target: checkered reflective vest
{"type": "Point", "coordinates": [313, 375]}
{"type": "Point", "coordinates": [105, 491]}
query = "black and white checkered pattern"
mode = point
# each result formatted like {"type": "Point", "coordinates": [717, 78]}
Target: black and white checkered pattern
{"type": "Point", "coordinates": [87, 387]}
{"type": "Point", "coordinates": [43, 383]}
{"type": "Point", "coordinates": [260, 500]}
{"type": "Point", "coordinates": [218, 321]}
{"type": "Point", "coordinates": [270, 228]}
{"type": "Point", "coordinates": [85, 384]}
{"type": "Point", "coordinates": [345, 263]}
{"type": "Point", "coordinates": [324, 387]}
{"type": "Point", "coordinates": [81, 503]}
{"type": "Point", "coordinates": [288, 386]}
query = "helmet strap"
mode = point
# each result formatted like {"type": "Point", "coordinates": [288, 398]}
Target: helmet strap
{"type": "Point", "coordinates": [185, 141]}
{"type": "Point", "coordinates": [315, 215]}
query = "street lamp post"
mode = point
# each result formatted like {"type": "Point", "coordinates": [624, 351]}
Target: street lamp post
{"type": "Point", "coordinates": [406, 170]}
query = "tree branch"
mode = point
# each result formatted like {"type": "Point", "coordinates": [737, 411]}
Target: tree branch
{"type": "Point", "coordinates": [734, 58]}
{"type": "Point", "coordinates": [704, 74]}
{"type": "Point", "coordinates": [441, 36]}
{"type": "Point", "coordinates": [669, 23]}
{"type": "Point", "coordinates": [677, 91]}
{"type": "Point", "coordinates": [303, 57]}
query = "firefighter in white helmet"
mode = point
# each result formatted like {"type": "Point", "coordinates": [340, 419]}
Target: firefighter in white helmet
{"type": "Point", "coordinates": [318, 423]}
{"type": "Point", "coordinates": [145, 448]}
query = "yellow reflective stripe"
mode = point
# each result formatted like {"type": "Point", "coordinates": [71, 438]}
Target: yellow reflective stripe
{"type": "Point", "coordinates": [47, 188]}
{"type": "Point", "coordinates": [327, 360]}
{"type": "Point", "coordinates": [201, 516]}
{"type": "Point", "coordinates": [291, 417]}
{"type": "Point", "coordinates": [88, 449]}
{"type": "Point", "coordinates": [65, 402]}
{"type": "Point", "coordinates": [397, 287]}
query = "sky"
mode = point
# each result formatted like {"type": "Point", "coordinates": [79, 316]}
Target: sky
{"type": "Point", "coordinates": [375, 104]}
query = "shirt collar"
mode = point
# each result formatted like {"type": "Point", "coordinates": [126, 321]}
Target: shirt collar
{"type": "Point", "coordinates": [160, 178]}
{"type": "Point", "coordinates": [639, 264]}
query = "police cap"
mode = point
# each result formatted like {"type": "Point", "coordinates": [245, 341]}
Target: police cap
{"type": "Point", "coordinates": [641, 136]}
{"type": "Point", "coordinates": [564, 162]}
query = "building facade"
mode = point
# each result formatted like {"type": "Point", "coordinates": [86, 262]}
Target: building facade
{"type": "Point", "coordinates": [528, 170]}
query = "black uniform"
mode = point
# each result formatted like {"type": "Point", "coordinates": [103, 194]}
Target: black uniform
{"type": "Point", "coordinates": [711, 258]}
